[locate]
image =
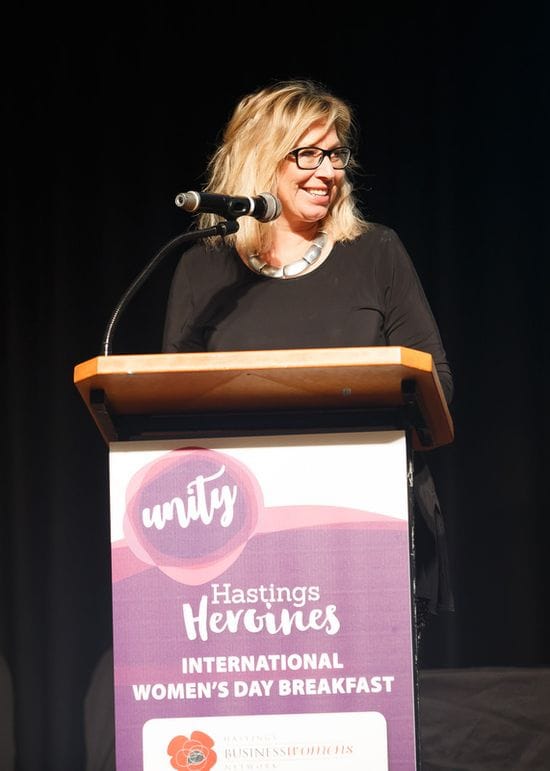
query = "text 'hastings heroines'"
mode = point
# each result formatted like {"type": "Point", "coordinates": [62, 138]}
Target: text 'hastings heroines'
{"type": "Point", "coordinates": [203, 620]}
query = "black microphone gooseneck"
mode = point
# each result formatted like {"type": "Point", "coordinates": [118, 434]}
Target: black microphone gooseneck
{"type": "Point", "coordinates": [224, 228]}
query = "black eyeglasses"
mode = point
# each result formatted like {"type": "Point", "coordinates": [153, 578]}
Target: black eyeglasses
{"type": "Point", "coordinates": [312, 157]}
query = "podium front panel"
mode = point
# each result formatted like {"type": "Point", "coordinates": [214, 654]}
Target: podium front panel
{"type": "Point", "coordinates": [262, 603]}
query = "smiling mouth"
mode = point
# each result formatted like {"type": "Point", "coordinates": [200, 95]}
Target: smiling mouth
{"type": "Point", "coordinates": [318, 193]}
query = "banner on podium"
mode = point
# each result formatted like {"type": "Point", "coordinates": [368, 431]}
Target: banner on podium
{"type": "Point", "coordinates": [262, 603]}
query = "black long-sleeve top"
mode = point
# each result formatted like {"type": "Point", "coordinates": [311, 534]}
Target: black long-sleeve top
{"type": "Point", "coordinates": [366, 293]}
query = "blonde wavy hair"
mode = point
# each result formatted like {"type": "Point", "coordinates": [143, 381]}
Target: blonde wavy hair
{"type": "Point", "coordinates": [265, 126]}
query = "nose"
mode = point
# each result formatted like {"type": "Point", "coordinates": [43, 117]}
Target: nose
{"type": "Point", "coordinates": [326, 169]}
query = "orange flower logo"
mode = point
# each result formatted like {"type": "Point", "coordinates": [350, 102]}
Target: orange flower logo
{"type": "Point", "coordinates": [195, 753]}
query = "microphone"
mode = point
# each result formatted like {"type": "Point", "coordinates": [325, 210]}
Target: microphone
{"type": "Point", "coordinates": [264, 207]}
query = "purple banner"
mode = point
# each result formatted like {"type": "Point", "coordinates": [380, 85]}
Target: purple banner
{"type": "Point", "coordinates": [225, 606]}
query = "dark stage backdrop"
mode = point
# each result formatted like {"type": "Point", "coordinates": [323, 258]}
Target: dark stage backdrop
{"type": "Point", "coordinates": [104, 123]}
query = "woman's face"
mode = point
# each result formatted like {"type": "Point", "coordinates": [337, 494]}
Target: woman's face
{"type": "Point", "coordinates": [306, 194]}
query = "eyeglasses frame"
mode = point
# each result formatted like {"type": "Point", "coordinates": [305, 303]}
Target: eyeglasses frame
{"type": "Point", "coordinates": [325, 154]}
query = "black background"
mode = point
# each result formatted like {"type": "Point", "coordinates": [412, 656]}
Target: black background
{"type": "Point", "coordinates": [107, 116]}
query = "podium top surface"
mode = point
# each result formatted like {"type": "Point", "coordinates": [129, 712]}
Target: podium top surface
{"type": "Point", "coordinates": [273, 380]}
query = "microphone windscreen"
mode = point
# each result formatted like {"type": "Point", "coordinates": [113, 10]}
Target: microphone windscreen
{"type": "Point", "coordinates": [272, 207]}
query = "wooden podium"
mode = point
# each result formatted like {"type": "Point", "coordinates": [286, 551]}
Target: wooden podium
{"type": "Point", "coordinates": [262, 559]}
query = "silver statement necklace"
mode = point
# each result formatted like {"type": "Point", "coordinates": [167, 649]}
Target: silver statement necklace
{"type": "Point", "coordinates": [293, 268]}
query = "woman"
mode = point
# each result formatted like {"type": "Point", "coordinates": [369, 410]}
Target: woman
{"type": "Point", "coordinates": [317, 276]}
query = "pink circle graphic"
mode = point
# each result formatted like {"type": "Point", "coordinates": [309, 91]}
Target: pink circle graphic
{"type": "Point", "coordinates": [191, 512]}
